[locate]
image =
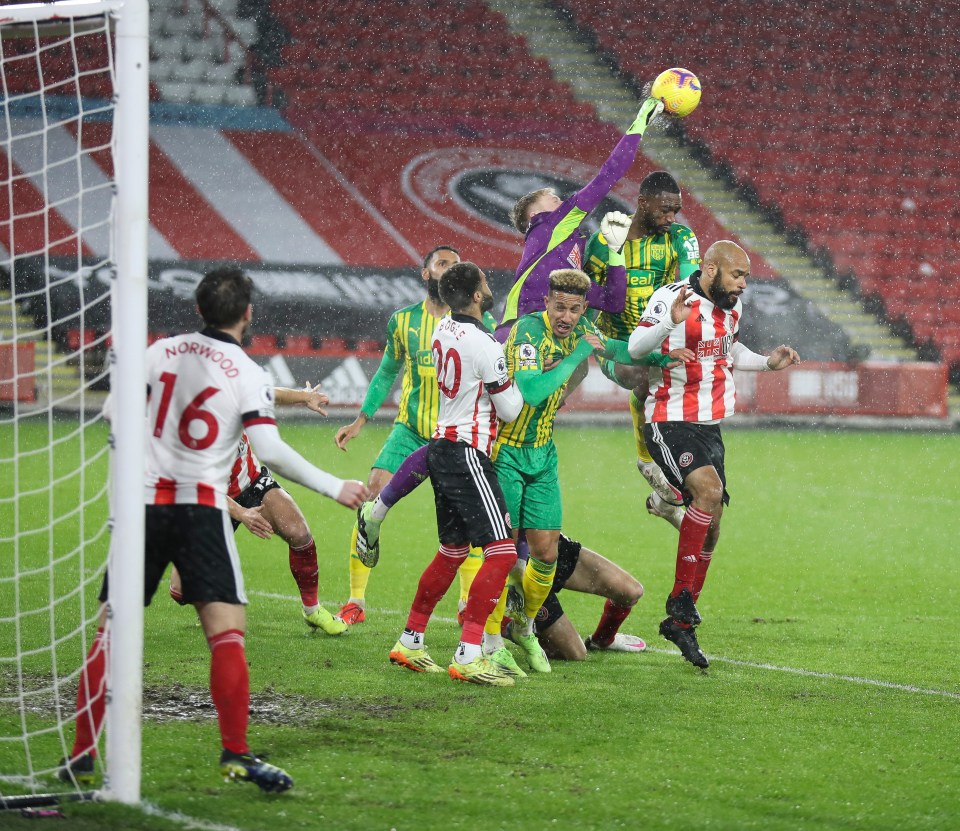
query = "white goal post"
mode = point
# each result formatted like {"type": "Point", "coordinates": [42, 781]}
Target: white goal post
{"type": "Point", "coordinates": [122, 161]}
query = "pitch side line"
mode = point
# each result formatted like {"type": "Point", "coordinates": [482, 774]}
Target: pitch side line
{"type": "Point", "coordinates": [184, 820]}
{"type": "Point", "coordinates": [826, 676]}
{"type": "Point", "coordinates": [809, 673]}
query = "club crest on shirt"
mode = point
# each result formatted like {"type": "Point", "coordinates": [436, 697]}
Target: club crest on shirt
{"type": "Point", "coordinates": [658, 252]}
{"type": "Point", "coordinates": [685, 460]}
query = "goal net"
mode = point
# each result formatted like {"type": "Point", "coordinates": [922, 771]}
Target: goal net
{"type": "Point", "coordinates": [73, 150]}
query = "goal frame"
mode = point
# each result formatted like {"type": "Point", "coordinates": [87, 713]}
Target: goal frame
{"type": "Point", "coordinates": [127, 374]}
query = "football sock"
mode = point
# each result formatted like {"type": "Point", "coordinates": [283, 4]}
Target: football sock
{"type": "Point", "coordinates": [433, 585]}
{"type": "Point", "coordinates": [703, 563]}
{"type": "Point", "coordinates": [499, 557]}
{"type": "Point", "coordinates": [91, 697]}
{"type": "Point", "coordinates": [303, 567]}
{"type": "Point", "coordinates": [466, 652]}
{"type": "Point", "coordinates": [380, 508]}
{"type": "Point", "coordinates": [537, 582]}
{"type": "Point", "coordinates": [359, 573]}
{"type": "Point", "coordinates": [468, 570]}
{"type": "Point", "coordinates": [230, 688]}
{"type": "Point", "coordinates": [494, 623]}
{"type": "Point", "coordinates": [409, 476]}
{"type": "Point", "coordinates": [693, 532]}
{"type": "Point", "coordinates": [613, 615]}
{"type": "Point", "coordinates": [411, 639]}
{"type": "Point", "coordinates": [636, 415]}
{"type": "Point", "coordinates": [491, 642]}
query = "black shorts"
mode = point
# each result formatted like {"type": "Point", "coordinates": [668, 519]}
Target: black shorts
{"type": "Point", "coordinates": [199, 542]}
{"type": "Point", "coordinates": [680, 447]}
{"type": "Point", "coordinates": [252, 495]}
{"type": "Point", "coordinates": [470, 504]}
{"type": "Point", "coordinates": [568, 555]}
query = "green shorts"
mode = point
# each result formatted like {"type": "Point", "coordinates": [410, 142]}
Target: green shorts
{"type": "Point", "coordinates": [531, 485]}
{"type": "Point", "coordinates": [401, 442]}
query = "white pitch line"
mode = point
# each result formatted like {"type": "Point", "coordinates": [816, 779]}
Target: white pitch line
{"type": "Point", "coordinates": [826, 676]}
{"type": "Point", "coordinates": [809, 673]}
{"type": "Point", "coordinates": [184, 820]}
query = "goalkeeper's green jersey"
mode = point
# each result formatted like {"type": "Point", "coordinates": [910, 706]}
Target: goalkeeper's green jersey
{"type": "Point", "coordinates": [651, 262]}
{"type": "Point", "coordinates": [409, 347]}
{"type": "Point", "coordinates": [530, 346]}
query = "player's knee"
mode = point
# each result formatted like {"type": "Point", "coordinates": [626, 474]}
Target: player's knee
{"type": "Point", "coordinates": [632, 591]}
{"type": "Point", "coordinates": [574, 651]}
{"type": "Point", "coordinates": [707, 494]}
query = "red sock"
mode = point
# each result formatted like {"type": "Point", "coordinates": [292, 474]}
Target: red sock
{"type": "Point", "coordinates": [303, 567]}
{"type": "Point", "coordinates": [498, 558]}
{"type": "Point", "coordinates": [693, 532]}
{"type": "Point", "coordinates": [91, 697]}
{"type": "Point", "coordinates": [433, 585]}
{"type": "Point", "coordinates": [703, 563]}
{"type": "Point", "coordinates": [230, 688]}
{"type": "Point", "coordinates": [613, 615]}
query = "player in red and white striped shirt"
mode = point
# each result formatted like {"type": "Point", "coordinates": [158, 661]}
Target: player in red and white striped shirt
{"type": "Point", "coordinates": [475, 390]}
{"type": "Point", "coordinates": [203, 392]}
{"type": "Point", "coordinates": [684, 409]}
{"type": "Point", "coordinates": [256, 500]}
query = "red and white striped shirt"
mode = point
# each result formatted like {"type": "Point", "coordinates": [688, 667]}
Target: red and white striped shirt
{"type": "Point", "coordinates": [701, 391]}
{"type": "Point", "coordinates": [245, 469]}
{"type": "Point", "coordinates": [475, 389]}
{"type": "Point", "coordinates": [203, 391]}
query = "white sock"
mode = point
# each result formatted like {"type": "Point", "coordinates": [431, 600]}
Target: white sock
{"type": "Point", "coordinates": [466, 652]}
{"type": "Point", "coordinates": [379, 511]}
{"type": "Point", "coordinates": [528, 626]}
{"type": "Point", "coordinates": [411, 639]}
{"type": "Point", "coordinates": [491, 643]}
{"type": "Point", "coordinates": [309, 610]}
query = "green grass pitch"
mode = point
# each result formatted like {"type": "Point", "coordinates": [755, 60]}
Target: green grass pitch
{"type": "Point", "coordinates": [832, 701]}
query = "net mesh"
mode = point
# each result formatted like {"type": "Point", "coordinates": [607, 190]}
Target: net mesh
{"type": "Point", "coordinates": [56, 269]}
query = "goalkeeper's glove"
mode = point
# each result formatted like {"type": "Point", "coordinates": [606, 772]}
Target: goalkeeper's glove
{"type": "Point", "coordinates": [615, 226]}
{"type": "Point", "coordinates": [649, 110]}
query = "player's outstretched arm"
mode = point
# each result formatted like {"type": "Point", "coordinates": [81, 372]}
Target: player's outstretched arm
{"type": "Point", "coordinates": [377, 393]}
{"type": "Point", "coordinates": [619, 160]}
{"type": "Point", "coordinates": [782, 357]}
{"type": "Point", "coordinates": [310, 397]}
{"type": "Point", "coordinates": [746, 359]}
{"type": "Point", "coordinates": [284, 460]}
{"type": "Point", "coordinates": [537, 386]}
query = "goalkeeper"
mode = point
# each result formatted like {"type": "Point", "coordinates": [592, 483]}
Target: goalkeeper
{"type": "Point", "coordinates": [550, 227]}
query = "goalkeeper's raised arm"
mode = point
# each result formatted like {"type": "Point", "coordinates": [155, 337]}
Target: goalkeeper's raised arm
{"type": "Point", "coordinates": [549, 225]}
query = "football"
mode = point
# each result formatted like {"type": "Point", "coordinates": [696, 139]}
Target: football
{"type": "Point", "coordinates": [679, 89]}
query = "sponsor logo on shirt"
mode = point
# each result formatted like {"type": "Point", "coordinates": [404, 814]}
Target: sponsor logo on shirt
{"type": "Point", "coordinates": [715, 348]}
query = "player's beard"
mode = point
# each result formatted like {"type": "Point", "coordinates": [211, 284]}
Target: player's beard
{"type": "Point", "coordinates": [433, 290]}
{"type": "Point", "coordinates": [487, 303]}
{"type": "Point", "coordinates": [720, 297]}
